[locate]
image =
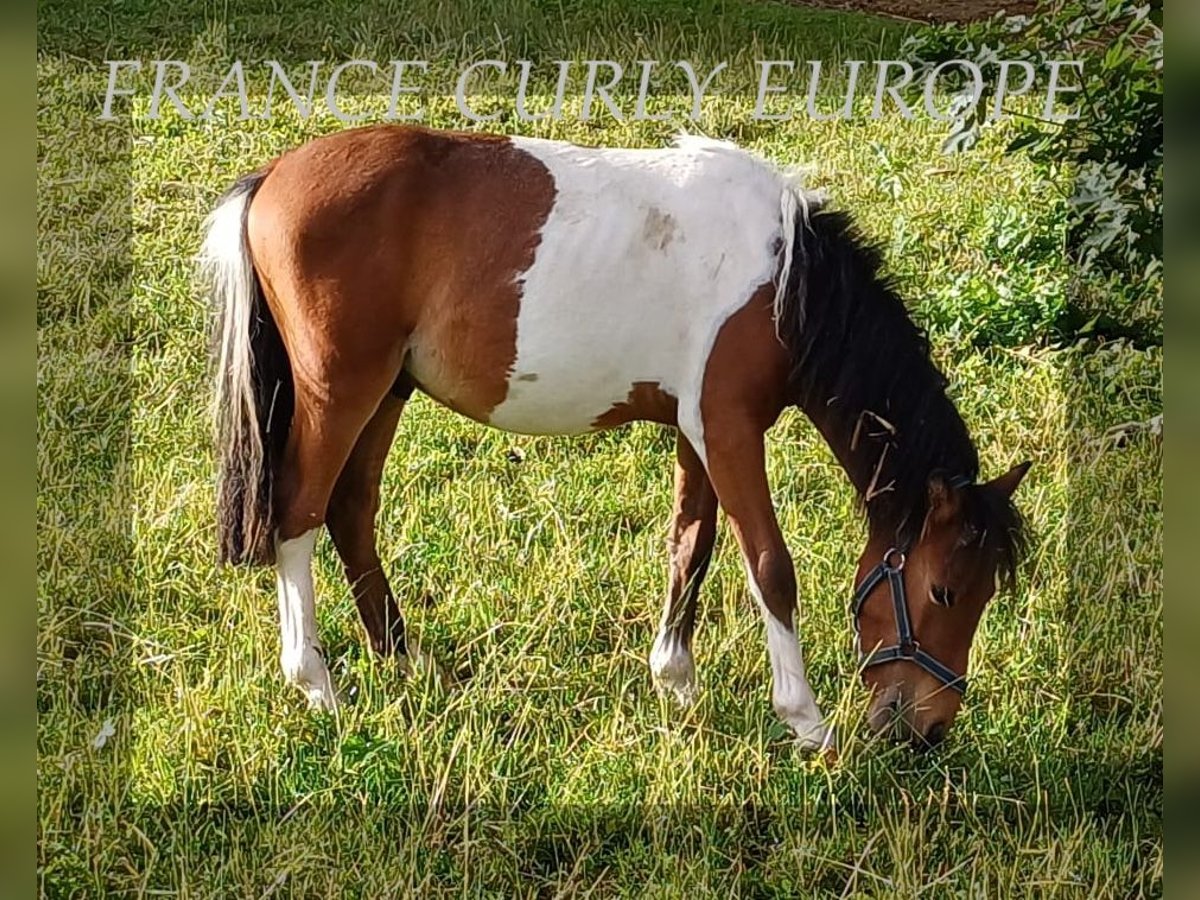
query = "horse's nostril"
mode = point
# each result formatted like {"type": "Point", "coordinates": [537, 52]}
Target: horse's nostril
{"type": "Point", "coordinates": [936, 732]}
{"type": "Point", "coordinates": [885, 717]}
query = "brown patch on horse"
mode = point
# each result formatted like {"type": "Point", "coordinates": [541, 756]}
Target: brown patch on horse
{"type": "Point", "coordinates": [646, 402]}
{"type": "Point", "coordinates": [365, 228]}
{"type": "Point", "coordinates": [746, 374]}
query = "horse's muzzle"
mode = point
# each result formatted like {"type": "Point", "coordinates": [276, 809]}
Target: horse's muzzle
{"type": "Point", "coordinates": [896, 718]}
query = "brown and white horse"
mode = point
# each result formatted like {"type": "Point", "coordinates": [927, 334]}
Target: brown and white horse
{"type": "Point", "coordinates": [547, 288]}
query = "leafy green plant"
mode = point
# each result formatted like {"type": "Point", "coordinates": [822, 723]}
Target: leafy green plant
{"type": "Point", "coordinates": [1026, 302]}
{"type": "Point", "coordinates": [1108, 157]}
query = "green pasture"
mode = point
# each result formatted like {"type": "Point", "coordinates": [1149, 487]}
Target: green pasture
{"type": "Point", "coordinates": [173, 759]}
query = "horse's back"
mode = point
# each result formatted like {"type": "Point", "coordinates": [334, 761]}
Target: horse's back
{"type": "Point", "coordinates": [534, 285]}
{"type": "Point", "coordinates": [642, 257]}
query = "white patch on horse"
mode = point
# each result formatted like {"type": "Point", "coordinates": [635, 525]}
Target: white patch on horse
{"type": "Point", "coordinates": [300, 650]}
{"type": "Point", "coordinates": [643, 256]}
{"type": "Point", "coordinates": [672, 666]}
{"type": "Point", "coordinates": [791, 695]}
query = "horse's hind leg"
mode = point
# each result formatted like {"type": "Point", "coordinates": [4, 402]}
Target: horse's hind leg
{"type": "Point", "coordinates": [693, 532]}
{"type": "Point", "coordinates": [351, 523]}
{"type": "Point", "coordinates": [326, 423]}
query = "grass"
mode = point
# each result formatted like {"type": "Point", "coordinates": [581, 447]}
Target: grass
{"type": "Point", "coordinates": [552, 768]}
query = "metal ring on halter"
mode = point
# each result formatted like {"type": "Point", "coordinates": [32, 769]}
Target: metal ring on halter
{"type": "Point", "coordinates": [895, 551]}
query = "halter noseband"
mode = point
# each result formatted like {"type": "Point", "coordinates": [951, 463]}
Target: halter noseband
{"type": "Point", "coordinates": [906, 647]}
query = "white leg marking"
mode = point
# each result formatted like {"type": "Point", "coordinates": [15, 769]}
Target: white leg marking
{"type": "Point", "coordinates": [791, 695]}
{"type": "Point", "coordinates": [300, 652]}
{"type": "Point", "coordinates": [672, 666]}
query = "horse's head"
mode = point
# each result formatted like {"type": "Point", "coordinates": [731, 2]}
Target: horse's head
{"type": "Point", "coordinates": [918, 607]}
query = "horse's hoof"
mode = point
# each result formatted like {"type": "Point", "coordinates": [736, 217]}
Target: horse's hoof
{"type": "Point", "coordinates": [305, 668]}
{"type": "Point", "coordinates": [818, 740]}
{"type": "Point", "coordinates": [682, 693]}
{"type": "Point", "coordinates": [322, 699]}
{"type": "Point", "coordinates": [416, 663]}
{"type": "Point", "coordinates": [673, 673]}
{"type": "Point", "coordinates": [828, 756]}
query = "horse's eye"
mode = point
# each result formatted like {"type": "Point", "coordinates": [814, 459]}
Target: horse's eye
{"type": "Point", "coordinates": [941, 595]}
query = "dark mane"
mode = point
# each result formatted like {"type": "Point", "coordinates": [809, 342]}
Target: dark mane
{"type": "Point", "coordinates": [861, 370]}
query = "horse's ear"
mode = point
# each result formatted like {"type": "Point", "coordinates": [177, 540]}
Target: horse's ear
{"type": "Point", "coordinates": [945, 499]}
{"type": "Point", "coordinates": [1007, 483]}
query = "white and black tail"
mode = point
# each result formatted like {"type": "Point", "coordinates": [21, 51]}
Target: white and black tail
{"type": "Point", "coordinates": [253, 402]}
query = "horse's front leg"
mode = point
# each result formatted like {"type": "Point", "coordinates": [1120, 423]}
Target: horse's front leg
{"type": "Point", "coordinates": [690, 544]}
{"type": "Point", "coordinates": [737, 467]}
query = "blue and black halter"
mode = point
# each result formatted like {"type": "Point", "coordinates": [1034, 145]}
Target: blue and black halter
{"type": "Point", "coordinates": [907, 647]}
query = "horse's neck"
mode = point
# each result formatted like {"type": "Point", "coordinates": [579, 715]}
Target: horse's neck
{"type": "Point", "coordinates": [861, 370]}
{"type": "Point", "coordinates": [889, 432]}
{"type": "Point", "coordinates": [888, 463]}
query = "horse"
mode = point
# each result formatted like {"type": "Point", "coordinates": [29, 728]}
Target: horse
{"type": "Point", "coordinates": [542, 287]}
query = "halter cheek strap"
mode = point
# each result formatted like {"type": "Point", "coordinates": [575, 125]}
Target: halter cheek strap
{"type": "Point", "coordinates": [906, 647]}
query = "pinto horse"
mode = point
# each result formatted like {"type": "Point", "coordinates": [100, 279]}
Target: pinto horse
{"type": "Point", "coordinates": [546, 288]}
